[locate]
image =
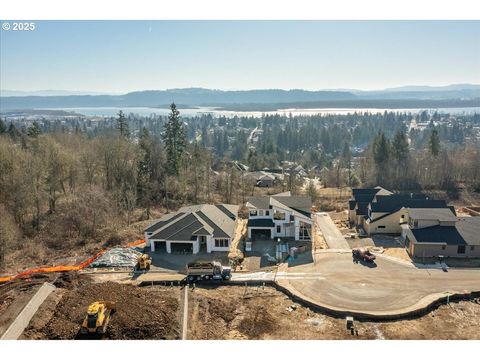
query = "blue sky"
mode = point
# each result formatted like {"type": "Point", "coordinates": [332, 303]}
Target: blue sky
{"type": "Point", "coordinates": [122, 56]}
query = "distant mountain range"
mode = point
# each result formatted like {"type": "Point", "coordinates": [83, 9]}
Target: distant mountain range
{"type": "Point", "coordinates": [452, 95]}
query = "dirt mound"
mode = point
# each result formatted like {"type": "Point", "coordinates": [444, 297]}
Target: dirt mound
{"type": "Point", "coordinates": [257, 322]}
{"type": "Point", "coordinates": [227, 317]}
{"type": "Point", "coordinates": [141, 313]}
{"type": "Point", "coordinates": [70, 280]}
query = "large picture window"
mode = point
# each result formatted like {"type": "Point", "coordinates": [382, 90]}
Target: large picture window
{"type": "Point", "coordinates": [221, 242]}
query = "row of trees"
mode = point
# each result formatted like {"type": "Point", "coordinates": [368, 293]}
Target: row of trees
{"type": "Point", "coordinates": [392, 163]}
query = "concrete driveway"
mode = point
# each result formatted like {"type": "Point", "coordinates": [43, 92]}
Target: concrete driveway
{"type": "Point", "coordinates": [389, 287]}
{"type": "Point", "coordinates": [331, 234]}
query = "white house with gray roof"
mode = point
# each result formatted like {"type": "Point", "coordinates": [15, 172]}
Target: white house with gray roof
{"type": "Point", "coordinates": [279, 216]}
{"type": "Point", "coordinates": [194, 229]}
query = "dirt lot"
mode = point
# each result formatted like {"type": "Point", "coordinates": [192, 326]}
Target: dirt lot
{"type": "Point", "coordinates": [142, 313]}
{"type": "Point", "coordinates": [234, 313]}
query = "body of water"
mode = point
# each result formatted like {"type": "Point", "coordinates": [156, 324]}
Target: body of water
{"type": "Point", "coordinates": [147, 111]}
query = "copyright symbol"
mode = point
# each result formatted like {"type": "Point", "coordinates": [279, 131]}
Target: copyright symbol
{"type": "Point", "coordinates": [6, 26]}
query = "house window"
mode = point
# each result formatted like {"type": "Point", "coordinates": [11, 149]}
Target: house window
{"type": "Point", "coordinates": [253, 212]}
{"type": "Point", "coordinates": [279, 228]}
{"type": "Point", "coordinates": [260, 212]}
{"type": "Point", "coordinates": [149, 233]}
{"type": "Point", "coordinates": [461, 249]}
{"type": "Point", "coordinates": [292, 218]}
{"type": "Point", "coordinates": [223, 243]}
{"type": "Point", "coordinates": [472, 248]}
{"type": "Point", "coordinates": [278, 215]}
{"type": "Point", "coordinates": [381, 227]}
{"type": "Point", "coordinates": [267, 212]}
{"type": "Point", "coordinates": [443, 247]}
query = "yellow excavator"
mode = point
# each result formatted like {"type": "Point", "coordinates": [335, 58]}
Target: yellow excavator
{"type": "Point", "coordinates": [98, 316]}
{"type": "Point", "coordinates": [144, 262]}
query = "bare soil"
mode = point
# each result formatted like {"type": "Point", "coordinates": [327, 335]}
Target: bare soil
{"type": "Point", "coordinates": [235, 313]}
{"type": "Point", "coordinates": [142, 313]}
{"type": "Point", "coordinates": [13, 298]}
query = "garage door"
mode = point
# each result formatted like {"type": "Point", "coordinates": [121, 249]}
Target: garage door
{"type": "Point", "coordinates": [261, 233]}
{"type": "Point", "coordinates": [181, 248]}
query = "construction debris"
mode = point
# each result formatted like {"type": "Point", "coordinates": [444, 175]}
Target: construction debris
{"type": "Point", "coordinates": [117, 257]}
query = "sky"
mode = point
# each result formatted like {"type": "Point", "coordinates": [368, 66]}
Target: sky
{"type": "Point", "coordinates": [123, 56]}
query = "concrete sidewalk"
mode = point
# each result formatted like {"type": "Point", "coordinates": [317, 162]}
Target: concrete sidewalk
{"type": "Point", "coordinates": [17, 327]}
{"type": "Point", "coordinates": [331, 234]}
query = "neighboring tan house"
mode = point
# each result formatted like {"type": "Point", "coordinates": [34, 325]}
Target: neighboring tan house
{"type": "Point", "coordinates": [386, 213]}
{"type": "Point", "coordinates": [358, 204]}
{"type": "Point", "coordinates": [438, 232]}
{"type": "Point", "coordinates": [194, 229]}
{"type": "Point", "coordinates": [279, 216]}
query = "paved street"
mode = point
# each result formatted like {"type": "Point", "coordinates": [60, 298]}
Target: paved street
{"type": "Point", "coordinates": [331, 234]}
{"type": "Point", "coordinates": [388, 286]}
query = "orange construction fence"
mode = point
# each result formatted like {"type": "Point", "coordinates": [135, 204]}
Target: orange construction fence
{"type": "Point", "coordinates": [61, 268]}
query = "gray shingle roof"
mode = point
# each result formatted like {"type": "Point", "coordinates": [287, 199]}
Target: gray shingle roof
{"type": "Point", "coordinates": [230, 210]}
{"type": "Point", "coordinates": [260, 202]}
{"type": "Point", "coordinates": [302, 204]}
{"type": "Point", "coordinates": [182, 229]}
{"type": "Point", "coordinates": [439, 234]}
{"type": "Point", "coordinates": [393, 203]}
{"type": "Point", "coordinates": [469, 228]}
{"type": "Point", "coordinates": [163, 221]}
{"type": "Point", "coordinates": [465, 232]}
{"type": "Point", "coordinates": [442, 214]}
{"type": "Point", "coordinates": [197, 220]}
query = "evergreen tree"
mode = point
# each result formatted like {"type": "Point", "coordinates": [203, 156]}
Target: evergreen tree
{"type": "Point", "coordinates": [346, 160]}
{"type": "Point", "coordinates": [13, 132]}
{"type": "Point", "coordinates": [434, 143]}
{"type": "Point", "coordinates": [3, 127]}
{"type": "Point", "coordinates": [381, 157]}
{"type": "Point", "coordinates": [400, 147]}
{"type": "Point", "coordinates": [122, 125]}
{"type": "Point", "coordinates": [34, 130]}
{"type": "Point", "coordinates": [174, 139]}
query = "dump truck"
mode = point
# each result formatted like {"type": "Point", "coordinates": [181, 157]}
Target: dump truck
{"type": "Point", "coordinates": [144, 262]}
{"type": "Point", "coordinates": [98, 317]}
{"type": "Point", "coordinates": [363, 255]}
{"type": "Point", "coordinates": [208, 270]}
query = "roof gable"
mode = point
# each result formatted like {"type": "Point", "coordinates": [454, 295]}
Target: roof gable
{"type": "Point", "coordinates": [181, 229]}
{"type": "Point", "coordinates": [163, 221]}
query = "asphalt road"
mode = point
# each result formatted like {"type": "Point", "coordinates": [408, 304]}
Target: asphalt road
{"type": "Point", "coordinates": [388, 287]}
{"type": "Point", "coordinates": [331, 234]}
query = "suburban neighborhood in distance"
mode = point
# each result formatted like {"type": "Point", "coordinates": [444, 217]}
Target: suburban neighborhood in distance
{"type": "Point", "coordinates": [207, 196]}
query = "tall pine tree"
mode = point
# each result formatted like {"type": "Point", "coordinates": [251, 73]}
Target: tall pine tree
{"type": "Point", "coordinates": [3, 127]}
{"type": "Point", "coordinates": [122, 125]}
{"type": "Point", "coordinates": [434, 143]}
{"type": "Point", "coordinates": [174, 139]}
